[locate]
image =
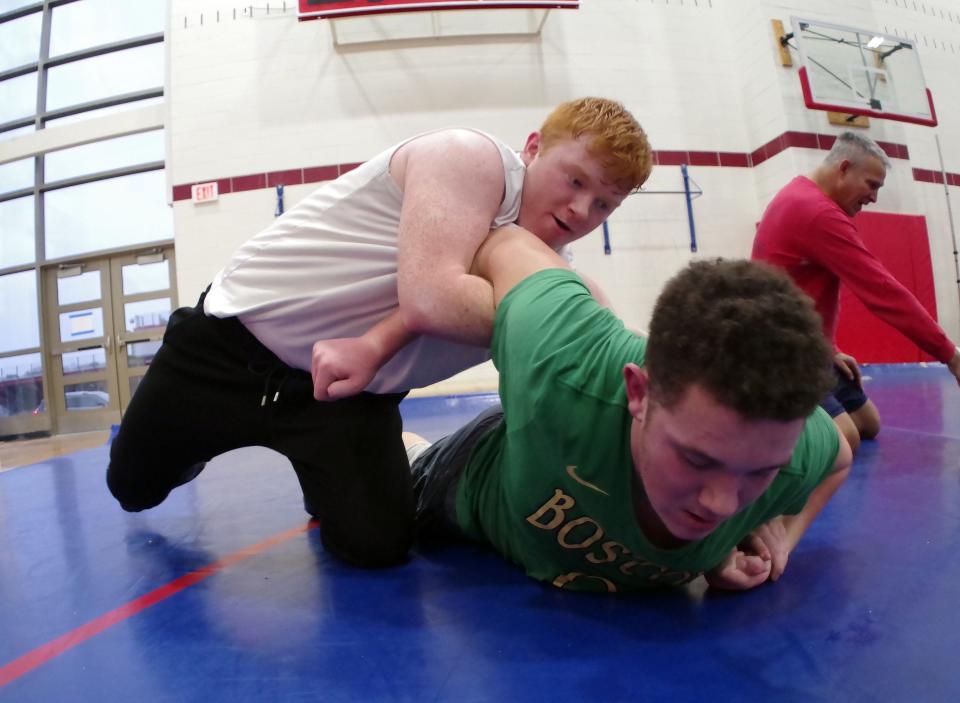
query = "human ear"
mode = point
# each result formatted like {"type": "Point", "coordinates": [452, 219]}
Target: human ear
{"type": "Point", "coordinates": [531, 148]}
{"type": "Point", "coordinates": [636, 381]}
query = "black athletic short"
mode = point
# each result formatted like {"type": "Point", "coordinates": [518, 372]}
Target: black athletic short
{"type": "Point", "coordinates": [436, 474]}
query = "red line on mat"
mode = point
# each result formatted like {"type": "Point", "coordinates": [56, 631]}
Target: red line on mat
{"type": "Point", "coordinates": [45, 652]}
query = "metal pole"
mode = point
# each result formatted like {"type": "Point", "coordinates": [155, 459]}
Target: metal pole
{"type": "Point", "coordinates": [686, 190]}
{"type": "Point", "coordinates": [871, 84]}
{"type": "Point", "coordinates": [953, 232]}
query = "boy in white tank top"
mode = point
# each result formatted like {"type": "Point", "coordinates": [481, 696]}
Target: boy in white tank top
{"type": "Point", "coordinates": [387, 246]}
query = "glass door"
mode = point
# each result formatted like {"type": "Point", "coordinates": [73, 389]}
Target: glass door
{"type": "Point", "coordinates": [143, 297]}
{"type": "Point", "coordinates": [105, 318]}
{"type": "Point", "coordinates": [79, 318]}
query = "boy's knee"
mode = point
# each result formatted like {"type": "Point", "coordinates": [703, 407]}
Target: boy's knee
{"type": "Point", "coordinates": [867, 420]}
{"type": "Point", "coordinates": [367, 549]}
{"type": "Point", "coordinates": [870, 431]}
{"type": "Point", "coordinates": [128, 494]}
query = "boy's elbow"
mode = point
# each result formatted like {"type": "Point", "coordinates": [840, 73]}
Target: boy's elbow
{"type": "Point", "coordinates": [416, 315]}
{"type": "Point", "coordinates": [429, 304]}
{"type": "Point", "coordinates": [424, 308]}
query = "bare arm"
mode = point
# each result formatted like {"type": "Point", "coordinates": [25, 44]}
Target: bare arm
{"type": "Point", "coordinates": [796, 525]}
{"type": "Point", "coordinates": [452, 184]}
{"type": "Point", "coordinates": [509, 255]}
{"type": "Point", "coordinates": [344, 367]}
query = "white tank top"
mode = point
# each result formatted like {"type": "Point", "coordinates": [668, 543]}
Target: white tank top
{"type": "Point", "coordinates": [328, 268]}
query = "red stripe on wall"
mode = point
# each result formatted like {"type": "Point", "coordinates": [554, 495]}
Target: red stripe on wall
{"type": "Point", "coordinates": [320, 173]}
{"type": "Point", "coordinates": [290, 177]}
{"type": "Point", "coordinates": [723, 159]}
{"type": "Point", "coordinates": [775, 146]}
{"type": "Point", "coordinates": [672, 158]}
{"type": "Point", "coordinates": [803, 140]}
{"type": "Point", "coordinates": [704, 158]}
{"type": "Point", "coordinates": [759, 155]}
{"type": "Point", "coordinates": [254, 181]}
{"type": "Point", "coordinates": [730, 158]}
{"type": "Point", "coordinates": [183, 191]}
{"type": "Point", "coordinates": [44, 653]}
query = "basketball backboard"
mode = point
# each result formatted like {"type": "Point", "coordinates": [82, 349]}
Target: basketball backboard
{"type": "Point", "coordinates": [355, 23]}
{"type": "Point", "coordinates": [861, 72]}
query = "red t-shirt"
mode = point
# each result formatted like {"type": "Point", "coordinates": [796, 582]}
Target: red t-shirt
{"type": "Point", "coordinates": [807, 234]}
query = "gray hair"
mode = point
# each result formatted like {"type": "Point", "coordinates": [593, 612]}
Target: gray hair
{"type": "Point", "coordinates": [853, 147]}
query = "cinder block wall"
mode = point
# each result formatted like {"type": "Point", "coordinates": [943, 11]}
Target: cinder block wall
{"type": "Point", "coordinates": [251, 97]}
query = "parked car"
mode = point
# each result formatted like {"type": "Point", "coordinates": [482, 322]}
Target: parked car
{"type": "Point", "coordinates": [80, 400]}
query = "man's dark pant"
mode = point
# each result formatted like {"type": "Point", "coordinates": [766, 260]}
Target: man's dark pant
{"type": "Point", "coordinates": [847, 396]}
{"type": "Point", "coordinates": [213, 387]}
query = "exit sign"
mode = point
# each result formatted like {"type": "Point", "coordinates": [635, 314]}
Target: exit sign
{"type": "Point", "coordinates": [204, 192]}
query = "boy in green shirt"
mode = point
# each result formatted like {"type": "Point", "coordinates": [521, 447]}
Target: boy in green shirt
{"type": "Point", "coordinates": [619, 463]}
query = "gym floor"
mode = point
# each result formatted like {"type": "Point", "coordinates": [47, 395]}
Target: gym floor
{"type": "Point", "coordinates": [224, 593]}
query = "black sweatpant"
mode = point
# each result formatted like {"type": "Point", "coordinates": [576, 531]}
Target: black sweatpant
{"type": "Point", "coordinates": [213, 387]}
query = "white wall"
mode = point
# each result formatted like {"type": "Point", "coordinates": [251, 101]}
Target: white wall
{"type": "Point", "coordinates": [258, 95]}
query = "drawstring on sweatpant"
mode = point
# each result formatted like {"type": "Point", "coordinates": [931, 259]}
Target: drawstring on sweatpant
{"type": "Point", "coordinates": [270, 372]}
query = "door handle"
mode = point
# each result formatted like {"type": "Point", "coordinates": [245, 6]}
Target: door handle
{"type": "Point", "coordinates": [107, 341]}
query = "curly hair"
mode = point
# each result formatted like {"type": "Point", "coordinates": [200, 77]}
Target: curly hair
{"type": "Point", "coordinates": [616, 138]}
{"type": "Point", "coordinates": [745, 333]}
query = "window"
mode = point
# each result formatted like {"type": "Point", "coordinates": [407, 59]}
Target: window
{"type": "Point", "coordinates": [104, 155]}
{"type": "Point", "coordinates": [16, 175]}
{"type": "Point", "coordinates": [17, 226]}
{"type": "Point", "coordinates": [107, 214]}
{"type": "Point", "coordinates": [21, 384]}
{"type": "Point", "coordinates": [99, 51]}
{"type": "Point", "coordinates": [18, 310]}
{"type": "Point", "coordinates": [116, 73]}
{"type": "Point", "coordinates": [80, 288]}
{"type": "Point", "coordinates": [20, 41]}
{"type": "Point", "coordinates": [8, 5]}
{"type": "Point", "coordinates": [81, 25]}
{"type": "Point", "coordinates": [18, 97]}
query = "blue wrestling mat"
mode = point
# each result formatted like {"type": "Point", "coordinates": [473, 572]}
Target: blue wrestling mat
{"type": "Point", "coordinates": [224, 593]}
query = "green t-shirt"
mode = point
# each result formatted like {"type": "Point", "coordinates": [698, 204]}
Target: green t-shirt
{"type": "Point", "coordinates": [550, 487]}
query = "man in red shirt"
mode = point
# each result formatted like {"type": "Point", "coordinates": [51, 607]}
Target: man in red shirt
{"type": "Point", "coordinates": [807, 230]}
